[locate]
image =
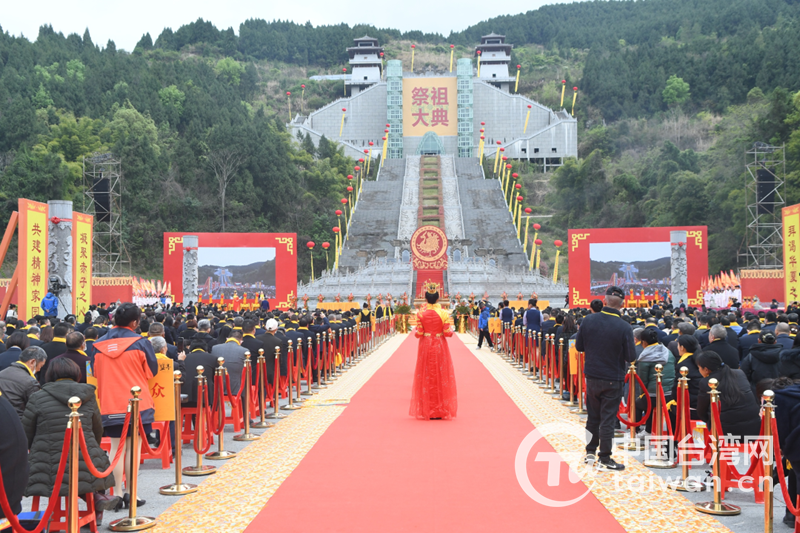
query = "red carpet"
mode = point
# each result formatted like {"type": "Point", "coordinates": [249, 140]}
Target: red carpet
{"type": "Point", "coordinates": [377, 469]}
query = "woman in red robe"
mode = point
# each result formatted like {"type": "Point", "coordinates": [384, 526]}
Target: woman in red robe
{"type": "Point", "coordinates": [433, 395]}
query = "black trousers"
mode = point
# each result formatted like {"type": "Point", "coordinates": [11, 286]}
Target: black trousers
{"type": "Point", "coordinates": [484, 334]}
{"type": "Point", "coordinates": [602, 404]}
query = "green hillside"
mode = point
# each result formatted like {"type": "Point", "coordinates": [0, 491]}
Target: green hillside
{"type": "Point", "coordinates": [671, 93]}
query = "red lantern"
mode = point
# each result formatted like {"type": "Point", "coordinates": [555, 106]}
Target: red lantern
{"type": "Point", "coordinates": [385, 131]}
{"type": "Point", "coordinates": [519, 198]}
{"type": "Point", "coordinates": [413, 46]}
{"type": "Point", "coordinates": [528, 210]}
{"type": "Point", "coordinates": [483, 123]}
{"type": "Point", "coordinates": [381, 54]}
{"type": "Point", "coordinates": [529, 106]}
{"type": "Point", "coordinates": [335, 229]}
{"type": "Point", "coordinates": [538, 242]}
{"type": "Point", "coordinates": [452, 46]}
{"type": "Point", "coordinates": [310, 245]}
{"type": "Point", "coordinates": [344, 69]}
{"type": "Point", "coordinates": [574, 88]}
{"type": "Point", "coordinates": [326, 245]}
{"type": "Point", "coordinates": [357, 168]}
{"type": "Point", "coordinates": [366, 151]}
{"type": "Point", "coordinates": [338, 212]}
{"type": "Point", "coordinates": [479, 52]}
{"type": "Point", "coordinates": [563, 81]}
{"type": "Point", "coordinates": [349, 176]}
{"type": "Point", "coordinates": [288, 93]}
{"type": "Point", "coordinates": [519, 67]}
{"type": "Point", "coordinates": [482, 130]}
{"type": "Point", "coordinates": [515, 175]}
{"type": "Point", "coordinates": [482, 137]}
{"type": "Point", "coordinates": [370, 143]}
{"type": "Point", "coordinates": [361, 160]}
{"type": "Point", "coordinates": [344, 109]}
{"type": "Point", "coordinates": [388, 125]}
{"type": "Point", "coordinates": [557, 243]}
{"type": "Point", "coordinates": [518, 186]}
{"type": "Point", "coordinates": [344, 201]}
{"type": "Point", "coordinates": [508, 167]}
{"type": "Point", "coordinates": [303, 86]}
{"type": "Point", "coordinates": [383, 138]}
{"type": "Point", "coordinates": [537, 227]}
{"type": "Point", "coordinates": [349, 189]}
{"type": "Point", "coordinates": [498, 142]}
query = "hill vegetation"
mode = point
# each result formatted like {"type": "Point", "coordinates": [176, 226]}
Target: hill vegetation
{"type": "Point", "coordinates": [671, 94]}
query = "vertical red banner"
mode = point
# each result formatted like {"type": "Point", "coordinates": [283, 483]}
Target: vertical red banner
{"type": "Point", "coordinates": [82, 234]}
{"type": "Point", "coordinates": [32, 258]}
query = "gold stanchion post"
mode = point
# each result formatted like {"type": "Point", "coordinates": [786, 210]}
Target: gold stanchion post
{"type": "Point", "coordinates": [633, 445]}
{"type": "Point", "coordinates": [133, 522]}
{"type": "Point", "coordinates": [74, 466]}
{"type": "Point", "coordinates": [246, 435]}
{"type": "Point", "coordinates": [276, 381]}
{"type": "Point", "coordinates": [320, 384]}
{"type": "Point", "coordinates": [179, 487]}
{"type": "Point", "coordinates": [657, 428]}
{"type": "Point", "coordinates": [685, 484]}
{"type": "Point", "coordinates": [717, 507]}
{"type": "Point", "coordinates": [769, 439]}
{"type": "Point", "coordinates": [293, 405]}
{"type": "Point", "coordinates": [199, 429]}
{"type": "Point", "coordinates": [221, 452]}
{"type": "Point", "coordinates": [580, 410]}
{"type": "Point", "coordinates": [261, 363]}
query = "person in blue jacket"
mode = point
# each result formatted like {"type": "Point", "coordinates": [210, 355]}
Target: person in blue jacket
{"type": "Point", "coordinates": [49, 304]}
{"type": "Point", "coordinates": [483, 326]}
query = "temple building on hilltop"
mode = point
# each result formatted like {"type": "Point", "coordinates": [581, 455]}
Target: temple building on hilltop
{"type": "Point", "coordinates": [440, 112]}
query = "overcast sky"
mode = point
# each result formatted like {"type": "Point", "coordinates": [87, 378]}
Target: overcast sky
{"type": "Point", "coordinates": [126, 22]}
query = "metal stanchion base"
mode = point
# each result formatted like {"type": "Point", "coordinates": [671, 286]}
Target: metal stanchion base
{"type": "Point", "coordinates": [686, 485]}
{"type": "Point", "coordinates": [293, 407]}
{"type": "Point", "coordinates": [319, 387]}
{"type": "Point", "coordinates": [260, 425]}
{"type": "Point", "coordinates": [137, 523]}
{"type": "Point", "coordinates": [659, 463]}
{"type": "Point", "coordinates": [246, 437]}
{"type": "Point", "coordinates": [178, 490]}
{"type": "Point", "coordinates": [309, 393]}
{"type": "Point", "coordinates": [618, 433]}
{"type": "Point", "coordinates": [220, 455]}
{"type": "Point", "coordinates": [719, 509]}
{"type": "Point", "coordinates": [203, 470]}
{"type": "Point", "coordinates": [578, 411]}
{"type": "Point", "coordinates": [275, 415]}
{"type": "Point", "coordinates": [569, 403]}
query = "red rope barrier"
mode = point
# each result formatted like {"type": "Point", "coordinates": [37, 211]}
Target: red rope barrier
{"type": "Point", "coordinates": [715, 413]}
{"type": "Point", "coordinates": [88, 460]}
{"type": "Point", "coordinates": [201, 407]}
{"type": "Point", "coordinates": [51, 502]}
{"type": "Point", "coordinates": [663, 400]}
{"type": "Point", "coordinates": [159, 449]}
{"type": "Point", "coordinates": [214, 424]}
{"type": "Point", "coordinates": [649, 404]}
{"type": "Point", "coordinates": [794, 508]}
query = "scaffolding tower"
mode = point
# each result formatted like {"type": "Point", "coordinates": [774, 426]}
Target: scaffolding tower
{"type": "Point", "coordinates": [102, 187]}
{"type": "Point", "coordinates": [765, 195]}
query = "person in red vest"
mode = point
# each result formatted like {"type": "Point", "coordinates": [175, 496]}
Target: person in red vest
{"type": "Point", "coordinates": [124, 359]}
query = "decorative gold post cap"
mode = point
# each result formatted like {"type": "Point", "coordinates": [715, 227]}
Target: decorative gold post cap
{"type": "Point", "coordinates": [74, 403]}
{"type": "Point", "coordinates": [713, 383]}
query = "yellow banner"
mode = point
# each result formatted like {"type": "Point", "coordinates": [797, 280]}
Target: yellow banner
{"type": "Point", "coordinates": [82, 228]}
{"type": "Point", "coordinates": [791, 247]}
{"type": "Point", "coordinates": [162, 389]}
{"type": "Point", "coordinates": [32, 262]}
{"type": "Point", "coordinates": [495, 326]}
{"type": "Point", "coordinates": [430, 104]}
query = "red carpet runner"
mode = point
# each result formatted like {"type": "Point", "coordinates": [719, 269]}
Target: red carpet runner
{"type": "Point", "coordinates": [377, 469]}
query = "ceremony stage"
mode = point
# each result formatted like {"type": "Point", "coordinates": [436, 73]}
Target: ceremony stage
{"type": "Point", "coordinates": [357, 461]}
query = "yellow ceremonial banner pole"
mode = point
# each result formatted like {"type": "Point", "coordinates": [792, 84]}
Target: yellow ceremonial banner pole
{"type": "Point", "coordinates": [527, 225]}
{"type": "Point", "coordinates": [452, 49]}
{"type": "Point", "coordinates": [538, 257]}
{"type": "Point", "coordinates": [563, 88]}
{"type": "Point", "coordinates": [555, 270]}
{"type": "Point", "coordinates": [385, 146]}
{"type": "Point", "coordinates": [413, 47]}
{"type": "Point", "coordinates": [519, 218]}
{"type": "Point", "coordinates": [302, 97]}
{"type": "Point", "coordinates": [791, 247]}
{"type": "Point", "coordinates": [516, 84]}
{"type": "Point", "coordinates": [574, 97]}
{"type": "Point", "coordinates": [312, 264]}
{"type": "Point", "coordinates": [505, 195]}
{"type": "Point", "coordinates": [289, 100]}
{"type": "Point", "coordinates": [369, 159]}
{"type": "Point", "coordinates": [533, 255]}
{"type": "Point", "coordinates": [341, 128]}
{"type": "Point", "coordinates": [527, 118]}
{"type": "Point", "coordinates": [32, 258]}
{"type": "Point", "coordinates": [336, 252]}
{"type": "Point", "coordinates": [162, 390]}
{"type": "Point", "coordinates": [496, 158]}
{"type": "Point", "coordinates": [82, 229]}
{"type": "Point", "coordinates": [480, 157]}
{"type": "Point", "coordinates": [479, 64]}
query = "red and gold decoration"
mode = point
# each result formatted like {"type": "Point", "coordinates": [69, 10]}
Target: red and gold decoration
{"type": "Point", "coordinates": [557, 244]}
{"type": "Point", "coordinates": [344, 110]}
{"type": "Point", "coordinates": [302, 96]}
{"type": "Point", "coordinates": [31, 272]}
{"type": "Point", "coordinates": [563, 88]}
{"type": "Point", "coordinates": [574, 97]}
{"type": "Point", "coordinates": [325, 246]}
{"type": "Point", "coordinates": [527, 118]}
{"type": "Point", "coordinates": [289, 101]}
{"type": "Point", "coordinates": [791, 252]}
{"type": "Point", "coordinates": [516, 84]}
{"type": "Point", "coordinates": [413, 48]}
{"type": "Point", "coordinates": [429, 255]}
{"type": "Point", "coordinates": [310, 245]}
{"type": "Point", "coordinates": [452, 49]}
{"type": "Point", "coordinates": [536, 242]}
{"type": "Point", "coordinates": [82, 234]}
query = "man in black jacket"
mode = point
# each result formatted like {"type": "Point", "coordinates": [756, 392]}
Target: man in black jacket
{"type": "Point", "coordinates": [198, 356]}
{"type": "Point", "coordinates": [607, 342]}
{"type": "Point", "coordinates": [13, 456]}
{"type": "Point", "coordinates": [55, 347]}
{"type": "Point", "coordinates": [718, 343]}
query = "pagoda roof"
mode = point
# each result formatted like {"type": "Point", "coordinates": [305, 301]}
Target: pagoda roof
{"type": "Point", "coordinates": [366, 38]}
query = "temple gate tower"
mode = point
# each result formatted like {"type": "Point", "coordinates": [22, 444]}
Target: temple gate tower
{"type": "Point", "coordinates": [495, 55]}
{"type": "Point", "coordinates": [365, 60]}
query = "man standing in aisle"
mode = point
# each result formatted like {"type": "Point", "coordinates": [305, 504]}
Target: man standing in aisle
{"type": "Point", "coordinates": [607, 342]}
